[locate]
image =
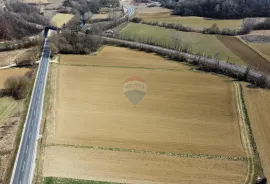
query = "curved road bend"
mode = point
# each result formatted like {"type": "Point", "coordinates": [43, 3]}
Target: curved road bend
{"type": "Point", "coordinates": [25, 160]}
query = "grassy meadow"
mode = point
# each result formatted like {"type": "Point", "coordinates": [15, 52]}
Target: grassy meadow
{"type": "Point", "coordinates": [191, 21]}
{"type": "Point", "coordinates": [199, 43]}
{"type": "Point", "coordinates": [60, 18]}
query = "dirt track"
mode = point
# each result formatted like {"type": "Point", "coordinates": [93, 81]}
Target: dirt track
{"type": "Point", "coordinates": [249, 56]}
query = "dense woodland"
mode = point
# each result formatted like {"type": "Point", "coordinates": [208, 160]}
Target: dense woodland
{"type": "Point", "coordinates": [18, 20]}
{"type": "Point", "coordinates": [219, 8]}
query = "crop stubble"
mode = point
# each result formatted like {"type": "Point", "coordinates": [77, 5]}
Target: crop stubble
{"type": "Point", "coordinates": [108, 57]}
{"type": "Point", "coordinates": [140, 168]}
{"type": "Point", "coordinates": [258, 108]}
{"type": "Point", "coordinates": [182, 112]}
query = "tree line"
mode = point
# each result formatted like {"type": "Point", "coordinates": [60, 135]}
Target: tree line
{"type": "Point", "coordinates": [203, 63]}
{"type": "Point", "coordinates": [229, 9]}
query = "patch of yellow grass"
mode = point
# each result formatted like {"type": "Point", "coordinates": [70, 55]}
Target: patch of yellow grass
{"type": "Point", "coordinates": [263, 48]}
{"type": "Point", "coordinates": [191, 21]}
{"type": "Point", "coordinates": [99, 16]}
{"type": "Point", "coordinates": [60, 19]}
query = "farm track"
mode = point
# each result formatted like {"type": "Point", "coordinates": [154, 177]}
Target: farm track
{"type": "Point", "coordinates": [244, 52]}
{"type": "Point", "coordinates": [245, 137]}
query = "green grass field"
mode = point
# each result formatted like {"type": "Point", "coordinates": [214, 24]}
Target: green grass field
{"type": "Point", "coordinates": [54, 180]}
{"type": "Point", "coordinates": [191, 21]}
{"type": "Point", "coordinates": [200, 43]}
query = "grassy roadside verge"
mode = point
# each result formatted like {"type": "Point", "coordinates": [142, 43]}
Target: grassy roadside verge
{"type": "Point", "coordinates": [47, 107]}
{"type": "Point", "coordinates": [56, 180]}
{"type": "Point", "coordinates": [19, 131]}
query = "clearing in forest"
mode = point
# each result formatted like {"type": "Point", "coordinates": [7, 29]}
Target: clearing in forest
{"type": "Point", "coordinates": [59, 19]}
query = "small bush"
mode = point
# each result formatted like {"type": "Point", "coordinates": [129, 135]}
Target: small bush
{"type": "Point", "coordinates": [17, 87]}
{"type": "Point", "coordinates": [136, 19]}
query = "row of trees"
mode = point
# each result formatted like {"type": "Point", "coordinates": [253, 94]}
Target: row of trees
{"type": "Point", "coordinates": [248, 25]}
{"type": "Point", "coordinates": [75, 43]}
{"type": "Point", "coordinates": [203, 63]}
{"type": "Point", "coordinates": [219, 8]}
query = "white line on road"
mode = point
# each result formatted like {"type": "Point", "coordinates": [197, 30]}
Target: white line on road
{"type": "Point", "coordinates": [26, 149]}
{"type": "Point", "coordinates": [23, 165]}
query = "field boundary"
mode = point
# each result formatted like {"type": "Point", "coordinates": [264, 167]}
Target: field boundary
{"type": "Point", "coordinates": [257, 77]}
{"type": "Point", "coordinates": [59, 180]}
{"type": "Point", "coordinates": [244, 134]}
{"type": "Point", "coordinates": [249, 144]}
{"type": "Point", "coordinates": [188, 155]}
{"type": "Point", "coordinates": [125, 67]}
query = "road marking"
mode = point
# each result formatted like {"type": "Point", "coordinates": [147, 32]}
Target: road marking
{"type": "Point", "coordinates": [26, 149]}
{"type": "Point", "coordinates": [34, 112]}
{"type": "Point", "coordinates": [30, 134]}
{"type": "Point", "coordinates": [23, 165]}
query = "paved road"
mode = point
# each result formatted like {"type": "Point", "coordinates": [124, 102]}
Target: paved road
{"type": "Point", "coordinates": [130, 10]}
{"type": "Point", "coordinates": [25, 160]}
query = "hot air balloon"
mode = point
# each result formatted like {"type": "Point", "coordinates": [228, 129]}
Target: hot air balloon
{"type": "Point", "coordinates": [135, 88]}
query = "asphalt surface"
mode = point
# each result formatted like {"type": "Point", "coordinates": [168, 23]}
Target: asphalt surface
{"type": "Point", "coordinates": [25, 160]}
{"type": "Point", "coordinates": [130, 10]}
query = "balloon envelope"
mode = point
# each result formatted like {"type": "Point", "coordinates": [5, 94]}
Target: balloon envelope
{"type": "Point", "coordinates": [135, 88]}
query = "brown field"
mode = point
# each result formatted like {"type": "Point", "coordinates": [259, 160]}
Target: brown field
{"type": "Point", "coordinates": [8, 57]}
{"type": "Point", "coordinates": [260, 32]}
{"type": "Point", "coordinates": [140, 168]}
{"type": "Point", "coordinates": [244, 52]}
{"type": "Point", "coordinates": [4, 74]}
{"type": "Point", "coordinates": [152, 10]}
{"type": "Point", "coordinates": [258, 106]}
{"type": "Point", "coordinates": [181, 112]}
{"type": "Point", "coordinates": [264, 48]}
{"type": "Point", "coordinates": [107, 57]}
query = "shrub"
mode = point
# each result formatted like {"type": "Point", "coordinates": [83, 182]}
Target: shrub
{"type": "Point", "coordinates": [136, 19]}
{"type": "Point", "coordinates": [17, 87]}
